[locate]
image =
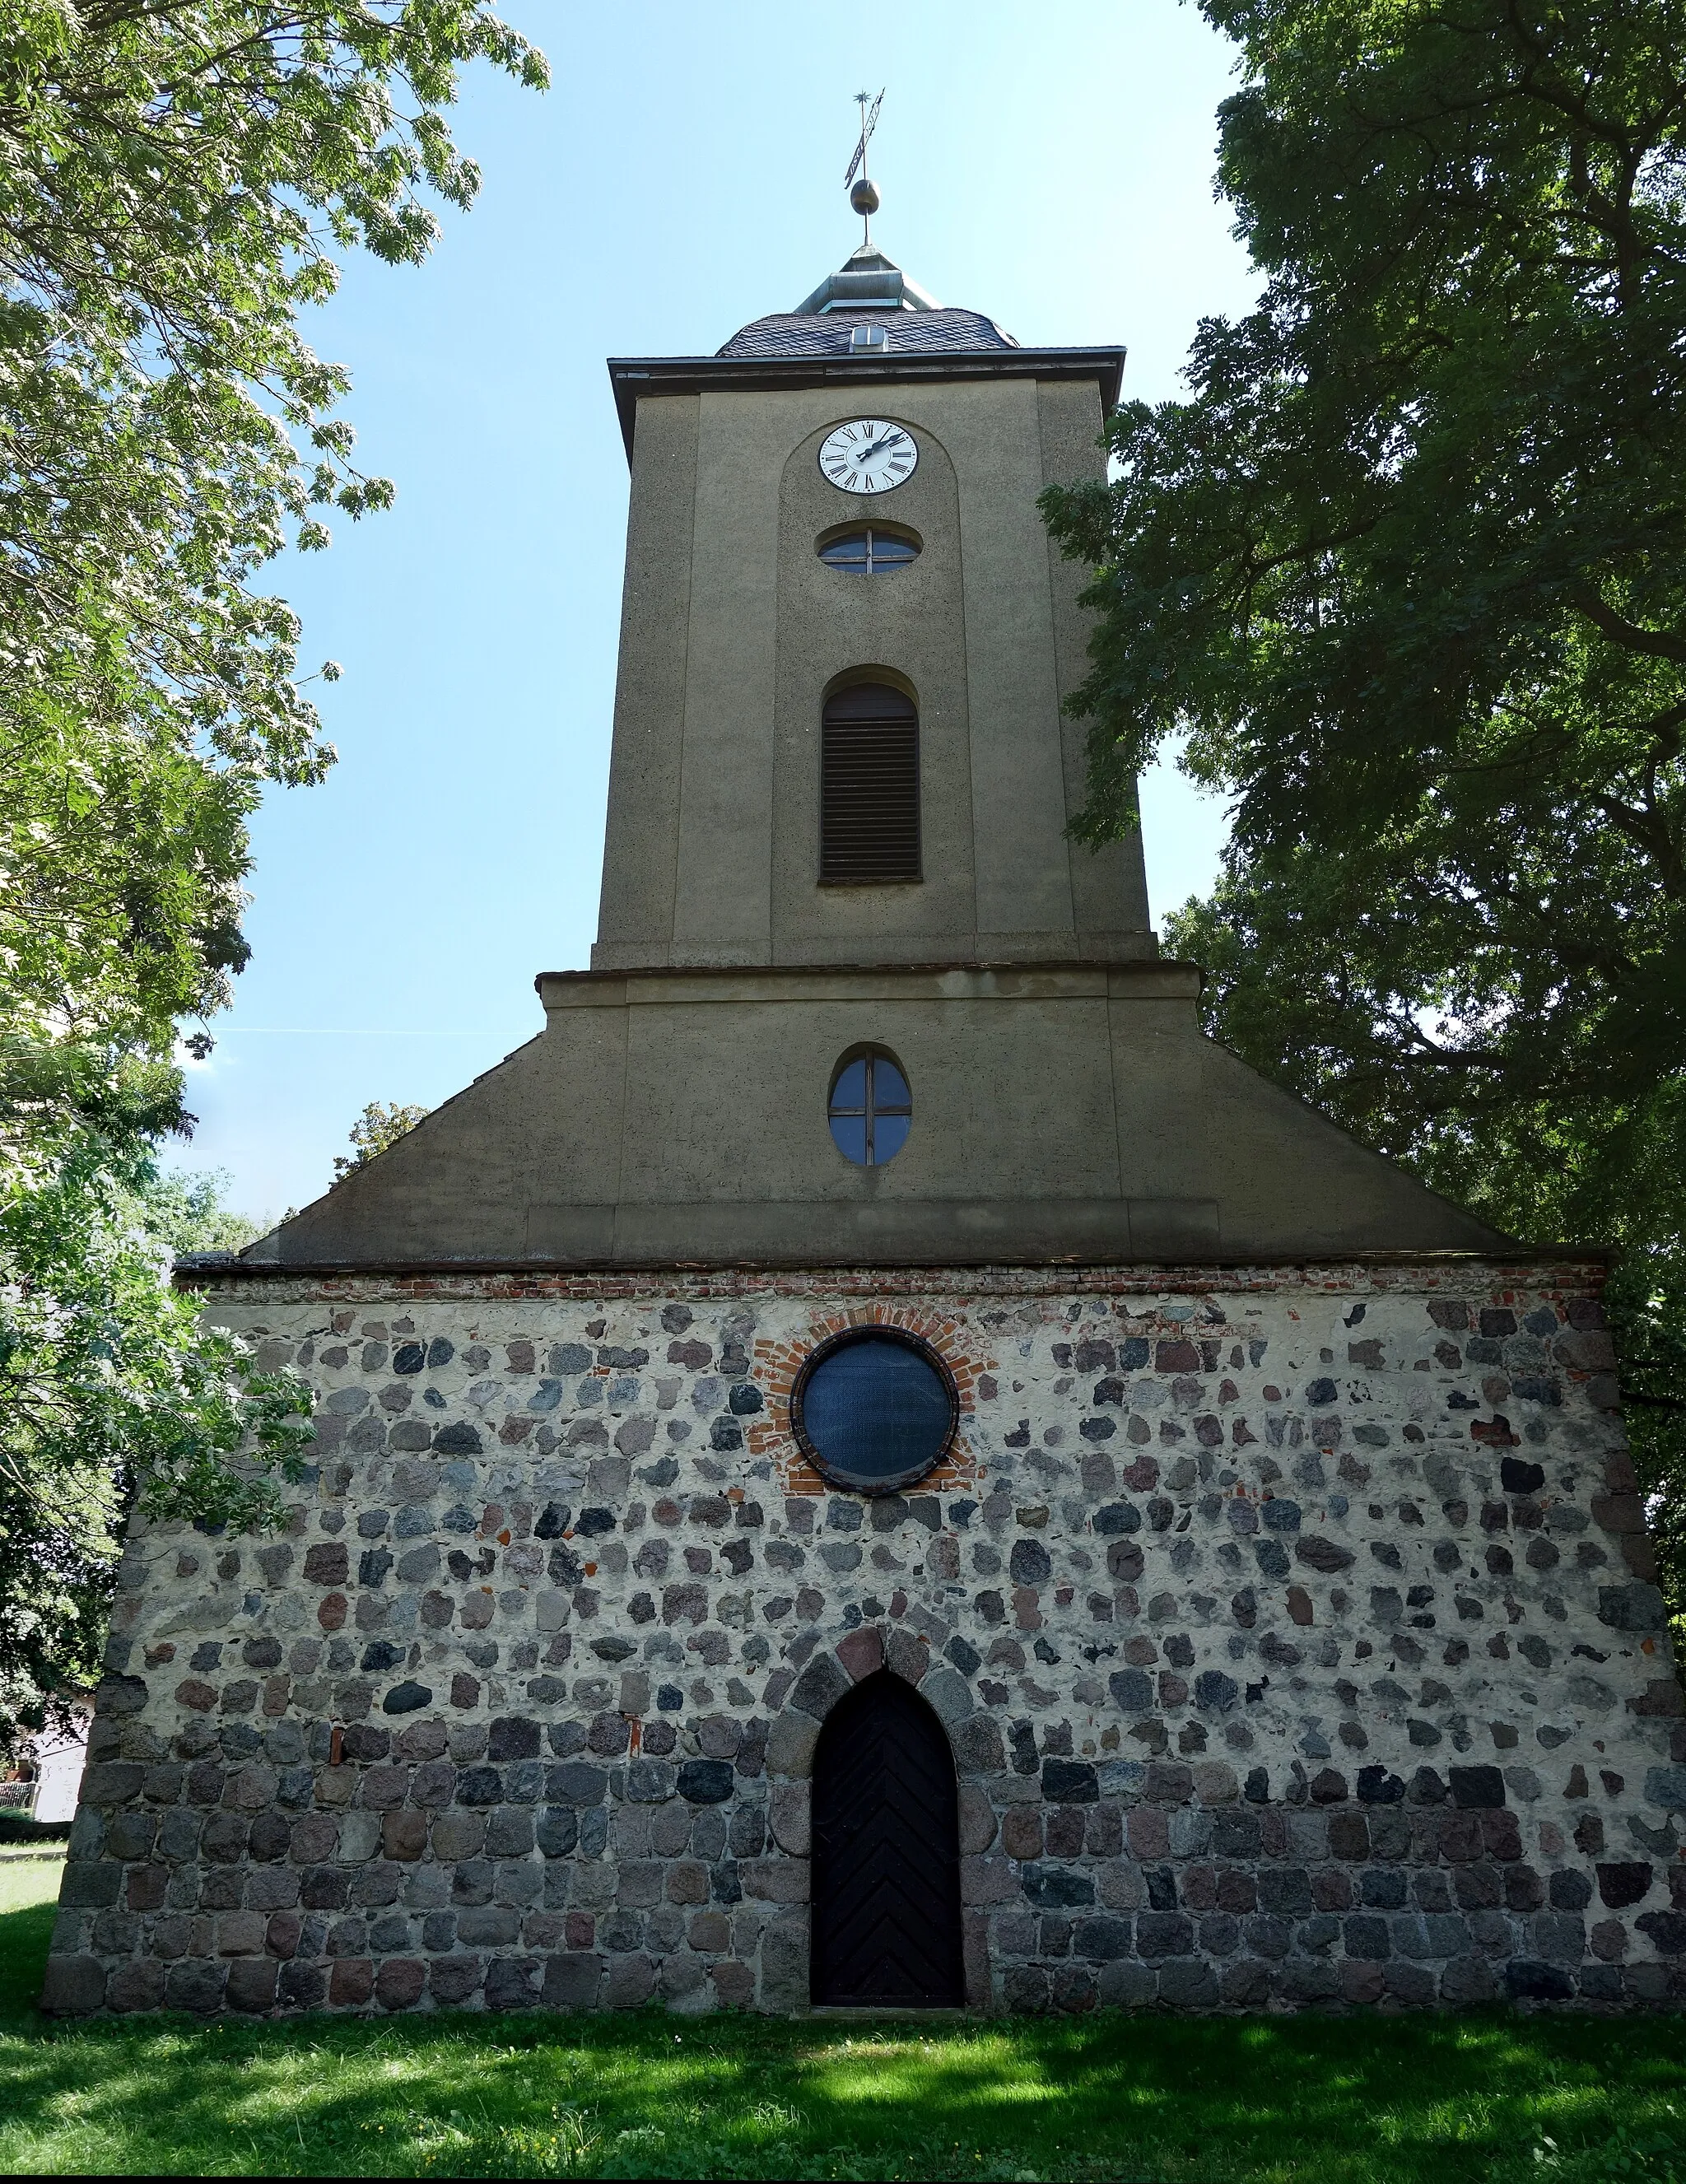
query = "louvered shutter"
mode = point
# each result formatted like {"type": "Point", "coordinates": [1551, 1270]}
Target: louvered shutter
{"type": "Point", "coordinates": [868, 787]}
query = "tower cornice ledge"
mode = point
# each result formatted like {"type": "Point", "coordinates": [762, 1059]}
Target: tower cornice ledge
{"type": "Point", "coordinates": [637, 378]}
{"type": "Point", "coordinates": [1136, 977]}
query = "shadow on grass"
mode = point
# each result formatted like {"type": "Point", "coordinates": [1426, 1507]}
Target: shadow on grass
{"type": "Point", "coordinates": [25, 1935]}
{"type": "Point", "coordinates": [1316, 2101]}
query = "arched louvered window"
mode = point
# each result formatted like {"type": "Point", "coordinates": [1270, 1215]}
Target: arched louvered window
{"type": "Point", "coordinates": [868, 787]}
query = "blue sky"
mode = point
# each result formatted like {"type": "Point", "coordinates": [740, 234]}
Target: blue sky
{"type": "Point", "coordinates": [1050, 165]}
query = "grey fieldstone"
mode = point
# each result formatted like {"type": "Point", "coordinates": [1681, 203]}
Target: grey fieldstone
{"type": "Point", "coordinates": [1102, 1697]}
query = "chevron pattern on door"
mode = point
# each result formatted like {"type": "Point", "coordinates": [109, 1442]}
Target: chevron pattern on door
{"type": "Point", "coordinates": [886, 1852]}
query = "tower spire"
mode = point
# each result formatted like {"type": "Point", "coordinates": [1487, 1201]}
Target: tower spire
{"type": "Point", "coordinates": [863, 196]}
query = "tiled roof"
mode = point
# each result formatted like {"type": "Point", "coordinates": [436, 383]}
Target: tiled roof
{"type": "Point", "coordinates": [911, 333]}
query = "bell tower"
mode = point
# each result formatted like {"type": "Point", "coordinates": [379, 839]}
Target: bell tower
{"type": "Point", "coordinates": [754, 598]}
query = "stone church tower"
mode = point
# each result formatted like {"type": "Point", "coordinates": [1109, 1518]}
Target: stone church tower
{"type": "Point", "coordinates": [870, 1462]}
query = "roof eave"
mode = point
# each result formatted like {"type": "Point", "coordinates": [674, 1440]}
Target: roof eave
{"type": "Point", "coordinates": [634, 376]}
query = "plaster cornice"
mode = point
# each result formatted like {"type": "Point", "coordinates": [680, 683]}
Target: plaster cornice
{"type": "Point", "coordinates": [634, 378]}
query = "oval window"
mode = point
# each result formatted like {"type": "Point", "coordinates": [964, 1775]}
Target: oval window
{"type": "Point", "coordinates": [874, 1409]}
{"type": "Point", "coordinates": [868, 552]}
{"type": "Point", "coordinates": [872, 1107]}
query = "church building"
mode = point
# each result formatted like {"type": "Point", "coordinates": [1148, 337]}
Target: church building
{"type": "Point", "coordinates": [869, 1463]}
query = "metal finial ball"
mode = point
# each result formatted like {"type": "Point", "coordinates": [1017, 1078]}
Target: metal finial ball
{"type": "Point", "coordinates": [864, 197]}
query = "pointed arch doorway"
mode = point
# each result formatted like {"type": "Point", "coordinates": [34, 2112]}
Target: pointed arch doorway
{"type": "Point", "coordinates": [885, 1854]}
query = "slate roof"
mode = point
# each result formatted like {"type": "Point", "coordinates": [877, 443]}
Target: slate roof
{"type": "Point", "coordinates": [911, 333]}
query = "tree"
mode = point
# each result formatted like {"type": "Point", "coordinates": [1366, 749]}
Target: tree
{"type": "Point", "coordinates": [112, 1397]}
{"type": "Point", "coordinates": [176, 177]}
{"type": "Point", "coordinates": [379, 1125]}
{"type": "Point", "coordinates": [1408, 569]}
{"type": "Point", "coordinates": [185, 1213]}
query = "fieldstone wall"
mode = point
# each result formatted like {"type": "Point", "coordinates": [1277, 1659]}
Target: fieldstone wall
{"type": "Point", "coordinates": [1294, 1629]}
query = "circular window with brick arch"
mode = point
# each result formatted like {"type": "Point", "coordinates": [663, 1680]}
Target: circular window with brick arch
{"type": "Point", "coordinates": [874, 1409]}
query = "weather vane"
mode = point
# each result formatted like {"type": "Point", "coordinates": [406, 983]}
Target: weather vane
{"type": "Point", "coordinates": [863, 196]}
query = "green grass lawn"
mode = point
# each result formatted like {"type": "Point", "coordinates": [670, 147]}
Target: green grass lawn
{"type": "Point", "coordinates": [1320, 2101]}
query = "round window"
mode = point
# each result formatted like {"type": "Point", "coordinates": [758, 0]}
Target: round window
{"type": "Point", "coordinates": [874, 1409]}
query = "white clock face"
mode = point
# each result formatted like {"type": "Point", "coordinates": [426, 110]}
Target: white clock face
{"type": "Point", "coordinates": [869, 455]}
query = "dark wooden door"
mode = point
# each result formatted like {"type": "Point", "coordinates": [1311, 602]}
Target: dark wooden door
{"type": "Point", "coordinates": [886, 1865]}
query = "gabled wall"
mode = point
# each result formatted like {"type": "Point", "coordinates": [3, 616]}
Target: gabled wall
{"type": "Point", "coordinates": [1074, 1113]}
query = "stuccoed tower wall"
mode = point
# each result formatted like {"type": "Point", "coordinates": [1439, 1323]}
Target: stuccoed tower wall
{"type": "Point", "coordinates": [1293, 1629]}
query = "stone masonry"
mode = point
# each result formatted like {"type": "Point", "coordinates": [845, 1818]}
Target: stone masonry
{"type": "Point", "coordinates": [1293, 1628]}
